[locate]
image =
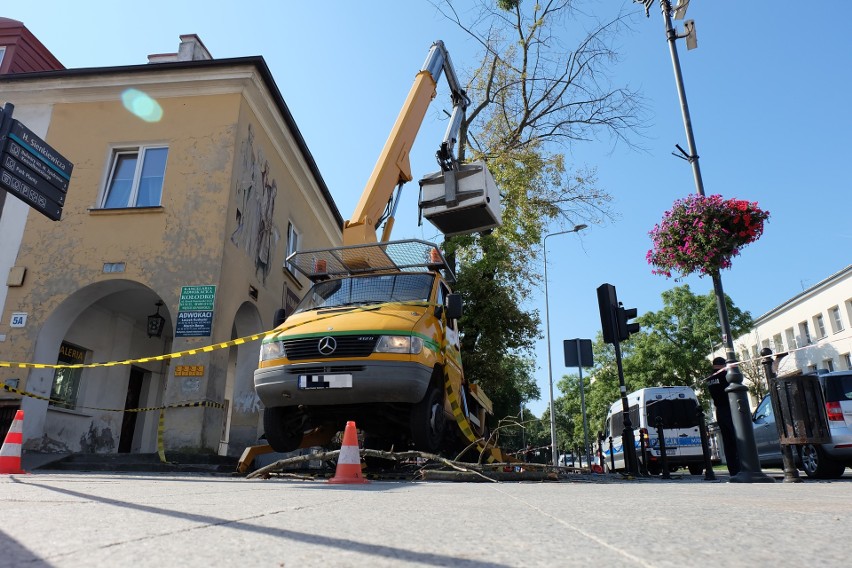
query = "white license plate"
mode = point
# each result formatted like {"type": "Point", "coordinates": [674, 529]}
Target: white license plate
{"type": "Point", "coordinates": [309, 382]}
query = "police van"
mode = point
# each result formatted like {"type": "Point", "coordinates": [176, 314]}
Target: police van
{"type": "Point", "coordinates": [678, 408]}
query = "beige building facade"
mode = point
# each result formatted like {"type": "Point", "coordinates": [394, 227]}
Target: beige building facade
{"type": "Point", "coordinates": [191, 184]}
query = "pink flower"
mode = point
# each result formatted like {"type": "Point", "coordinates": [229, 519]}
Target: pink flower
{"type": "Point", "coordinates": [701, 234]}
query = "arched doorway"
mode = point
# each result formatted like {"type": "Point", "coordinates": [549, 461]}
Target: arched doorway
{"type": "Point", "coordinates": [242, 423]}
{"type": "Point", "coordinates": [104, 321]}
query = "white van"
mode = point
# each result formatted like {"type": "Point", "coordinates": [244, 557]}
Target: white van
{"type": "Point", "coordinates": [677, 407]}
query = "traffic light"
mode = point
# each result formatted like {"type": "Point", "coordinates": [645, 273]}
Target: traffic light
{"type": "Point", "coordinates": [615, 318]}
{"type": "Point", "coordinates": [608, 303]}
{"type": "Point", "coordinates": [623, 315]}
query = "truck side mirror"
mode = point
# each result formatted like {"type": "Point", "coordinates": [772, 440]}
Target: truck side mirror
{"type": "Point", "coordinates": [454, 306]}
{"type": "Point", "coordinates": [279, 317]}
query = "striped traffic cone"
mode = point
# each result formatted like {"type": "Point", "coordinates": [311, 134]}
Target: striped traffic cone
{"type": "Point", "coordinates": [10, 453]}
{"type": "Point", "coordinates": [349, 460]}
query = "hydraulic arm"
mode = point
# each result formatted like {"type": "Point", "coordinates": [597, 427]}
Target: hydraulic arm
{"type": "Point", "coordinates": [393, 168]}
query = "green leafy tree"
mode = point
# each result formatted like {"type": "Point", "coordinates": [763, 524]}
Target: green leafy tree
{"type": "Point", "coordinates": [569, 411]}
{"type": "Point", "coordinates": [542, 84]}
{"type": "Point", "coordinates": [677, 339]}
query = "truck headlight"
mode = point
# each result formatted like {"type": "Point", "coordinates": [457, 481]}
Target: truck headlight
{"type": "Point", "coordinates": [272, 350]}
{"type": "Point", "coordinates": [399, 344]}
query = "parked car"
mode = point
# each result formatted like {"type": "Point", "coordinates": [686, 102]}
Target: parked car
{"type": "Point", "coordinates": [820, 461]}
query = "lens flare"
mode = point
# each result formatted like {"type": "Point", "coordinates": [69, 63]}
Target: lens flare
{"type": "Point", "coordinates": [142, 105]}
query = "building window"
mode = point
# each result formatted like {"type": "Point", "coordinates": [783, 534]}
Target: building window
{"type": "Point", "coordinates": [829, 364]}
{"type": "Point", "coordinates": [791, 338]}
{"type": "Point", "coordinates": [812, 368]}
{"type": "Point", "coordinates": [836, 320]}
{"type": "Point", "coordinates": [2, 53]}
{"type": "Point", "coordinates": [819, 324]}
{"type": "Point", "coordinates": [136, 177]}
{"type": "Point", "coordinates": [847, 360]}
{"type": "Point", "coordinates": [66, 382]}
{"type": "Point", "coordinates": [293, 242]}
{"type": "Point", "coordinates": [779, 345]}
{"type": "Point", "coordinates": [804, 333]}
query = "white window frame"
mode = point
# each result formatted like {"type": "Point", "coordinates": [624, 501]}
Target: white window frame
{"type": "Point", "coordinates": [791, 338]}
{"type": "Point", "coordinates": [805, 333]}
{"type": "Point", "coordinates": [140, 151]}
{"type": "Point", "coordinates": [819, 325]}
{"type": "Point", "coordinates": [847, 358]}
{"type": "Point", "coordinates": [2, 53]}
{"type": "Point", "coordinates": [294, 240]}
{"type": "Point", "coordinates": [836, 319]}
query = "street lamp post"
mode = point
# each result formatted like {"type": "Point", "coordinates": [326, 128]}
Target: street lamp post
{"type": "Point", "coordinates": [750, 471]}
{"type": "Point", "coordinates": [553, 447]}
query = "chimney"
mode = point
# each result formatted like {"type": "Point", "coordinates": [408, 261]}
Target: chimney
{"type": "Point", "coordinates": [191, 49]}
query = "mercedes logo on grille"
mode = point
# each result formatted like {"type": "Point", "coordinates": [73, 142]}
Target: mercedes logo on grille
{"type": "Point", "coordinates": [327, 345]}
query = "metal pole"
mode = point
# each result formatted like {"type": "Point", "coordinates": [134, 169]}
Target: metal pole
{"type": "Point", "coordinates": [583, 405]}
{"type": "Point", "coordinates": [555, 458]}
{"type": "Point", "coordinates": [737, 391]}
{"type": "Point", "coordinates": [628, 441]}
{"type": "Point", "coordinates": [549, 365]}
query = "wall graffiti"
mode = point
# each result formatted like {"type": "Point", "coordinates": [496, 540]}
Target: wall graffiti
{"type": "Point", "coordinates": [247, 402]}
{"type": "Point", "coordinates": [256, 232]}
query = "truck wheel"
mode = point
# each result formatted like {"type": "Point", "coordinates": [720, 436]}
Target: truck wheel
{"type": "Point", "coordinates": [283, 428]}
{"type": "Point", "coordinates": [818, 465]}
{"type": "Point", "coordinates": [428, 422]}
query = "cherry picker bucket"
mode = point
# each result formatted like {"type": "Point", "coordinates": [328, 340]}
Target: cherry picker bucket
{"type": "Point", "coordinates": [461, 201]}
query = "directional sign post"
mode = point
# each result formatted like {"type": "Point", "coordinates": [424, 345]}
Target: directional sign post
{"type": "Point", "coordinates": [30, 169]}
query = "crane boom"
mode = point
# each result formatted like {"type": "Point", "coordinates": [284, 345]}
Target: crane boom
{"type": "Point", "coordinates": [393, 167]}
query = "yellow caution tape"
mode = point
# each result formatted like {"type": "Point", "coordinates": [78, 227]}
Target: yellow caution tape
{"type": "Point", "coordinates": [462, 420]}
{"type": "Point", "coordinates": [205, 349]}
{"type": "Point", "coordinates": [161, 426]}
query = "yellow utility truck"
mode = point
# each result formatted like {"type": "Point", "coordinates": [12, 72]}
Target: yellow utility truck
{"type": "Point", "coordinates": [376, 337]}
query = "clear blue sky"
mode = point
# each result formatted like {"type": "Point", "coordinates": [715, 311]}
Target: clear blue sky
{"type": "Point", "coordinates": [768, 90]}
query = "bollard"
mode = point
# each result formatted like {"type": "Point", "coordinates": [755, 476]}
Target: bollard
{"type": "Point", "coordinates": [611, 456]}
{"type": "Point", "coordinates": [709, 475]}
{"type": "Point", "coordinates": [661, 438]}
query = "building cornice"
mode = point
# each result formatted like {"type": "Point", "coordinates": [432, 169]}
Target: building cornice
{"type": "Point", "coordinates": [804, 295]}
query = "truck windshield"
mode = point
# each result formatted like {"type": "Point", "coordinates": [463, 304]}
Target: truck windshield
{"type": "Point", "coordinates": [371, 289]}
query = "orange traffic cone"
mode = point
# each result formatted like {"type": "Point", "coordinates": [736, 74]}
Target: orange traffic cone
{"type": "Point", "coordinates": [349, 460]}
{"type": "Point", "coordinates": [10, 453]}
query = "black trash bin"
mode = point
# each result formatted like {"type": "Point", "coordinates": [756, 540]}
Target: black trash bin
{"type": "Point", "coordinates": [799, 407]}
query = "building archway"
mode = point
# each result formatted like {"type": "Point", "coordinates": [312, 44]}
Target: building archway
{"type": "Point", "coordinates": [101, 322]}
{"type": "Point", "coordinates": [242, 423]}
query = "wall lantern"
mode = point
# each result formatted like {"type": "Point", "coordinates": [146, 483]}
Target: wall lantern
{"type": "Point", "coordinates": [156, 322]}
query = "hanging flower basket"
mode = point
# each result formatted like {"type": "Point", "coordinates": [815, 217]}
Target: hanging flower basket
{"type": "Point", "coordinates": [703, 233]}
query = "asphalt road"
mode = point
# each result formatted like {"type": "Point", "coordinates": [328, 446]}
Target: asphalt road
{"type": "Point", "coordinates": [93, 519]}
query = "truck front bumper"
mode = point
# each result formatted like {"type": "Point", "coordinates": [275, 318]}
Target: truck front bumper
{"type": "Point", "coordinates": [345, 382]}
